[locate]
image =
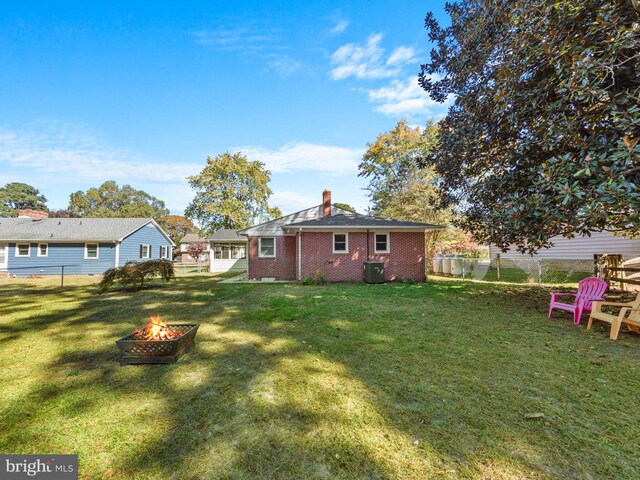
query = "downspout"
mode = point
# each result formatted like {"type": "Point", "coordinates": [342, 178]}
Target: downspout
{"type": "Point", "coordinates": [117, 254]}
{"type": "Point", "coordinates": [299, 253]}
{"type": "Point", "coordinates": [367, 244]}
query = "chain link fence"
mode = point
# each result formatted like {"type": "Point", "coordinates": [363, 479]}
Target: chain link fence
{"type": "Point", "coordinates": [528, 270]}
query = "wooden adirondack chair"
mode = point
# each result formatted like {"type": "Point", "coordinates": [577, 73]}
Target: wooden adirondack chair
{"type": "Point", "coordinates": [629, 315]}
{"type": "Point", "coordinates": [589, 290]}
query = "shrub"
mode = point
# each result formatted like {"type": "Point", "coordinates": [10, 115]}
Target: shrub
{"type": "Point", "coordinates": [135, 274]}
{"type": "Point", "coordinates": [319, 278]}
{"type": "Point", "coordinates": [307, 281]}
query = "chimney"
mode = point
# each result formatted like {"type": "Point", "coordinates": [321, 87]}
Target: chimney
{"type": "Point", "coordinates": [32, 214]}
{"type": "Point", "coordinates": [326, 203]}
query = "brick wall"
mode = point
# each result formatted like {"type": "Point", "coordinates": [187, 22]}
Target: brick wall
{"type": "Point", "coordinates": [282, 267]}
{"type": "Point", "coordinates": [406, 257]}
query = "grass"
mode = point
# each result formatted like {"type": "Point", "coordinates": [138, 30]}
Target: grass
{"type": "Point", "coordinates": [399, 381]}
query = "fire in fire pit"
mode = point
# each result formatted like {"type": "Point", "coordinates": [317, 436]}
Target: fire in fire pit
{"type": "Point", "coordinates": [158, 342]}
{"type": "Point", "coordinates": [157, 329]}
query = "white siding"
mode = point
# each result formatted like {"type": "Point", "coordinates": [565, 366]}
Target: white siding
{"type": "Point", "coordinates": [239, 265]}
{"type": "Point", "coordinates": [274, 227]}
{"type": "Point", "coordinates": [580, 248]}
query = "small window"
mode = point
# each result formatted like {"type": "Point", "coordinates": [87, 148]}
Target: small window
{"type": "Point", "coordinates": [145, 251]}
{"type": "Point", "coordinates": [43, 249]}
{"type": "Point", "coordinates": [267, 247]}
{"type": "Point", "coordinates": [23, 250]}
{"type": "Point", "coordinates": [340, 243]}
{"type": "Point", "coordinates": [90, 250]}
{"type": "Point", "coordinates": [164, 251]}
{"type": "Point", "coordinates": [381, 243]}
{"type": "Point", "coordinates": [238, 251]}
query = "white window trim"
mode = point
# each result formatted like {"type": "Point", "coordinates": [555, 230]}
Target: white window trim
{"type": "Point", "coordinates": [346, 243]}
{"type": "Point", "coordinates": [260, 248]}
{"type": "Point", "coordinates": [164, 255]}
{"type": "Point", "coordinates": [86, 251]}
{"type": "Point", "coordinates": [18, 250]}
{"type": "Point", "coordinates": [148, 255]}
{"type": "Point", "coordinates": [39, 249]}
{"type": "Point", "coordinates": [375, 249]}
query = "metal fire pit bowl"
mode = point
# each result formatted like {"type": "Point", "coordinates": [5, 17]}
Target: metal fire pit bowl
{"type": "Point", "coordinates": [134, 351]}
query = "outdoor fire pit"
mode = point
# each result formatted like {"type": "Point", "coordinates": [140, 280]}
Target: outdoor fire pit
{"type": "Point", "coordinates": [158, 342]}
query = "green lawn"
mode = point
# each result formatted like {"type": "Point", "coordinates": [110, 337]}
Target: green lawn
{"type": "Point", "coordinates": [439, 380]}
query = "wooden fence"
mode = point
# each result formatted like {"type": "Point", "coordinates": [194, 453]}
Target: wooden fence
{"type": "Point", "coordinates": [628, 274]}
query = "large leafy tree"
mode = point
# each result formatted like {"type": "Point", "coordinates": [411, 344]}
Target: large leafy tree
{"type": "Point", "coordinates": [399, 187]}
{"type": "Point", "coordinates": [177, 226]}
{"type": "Point", "coordinates": [110, 200]}
{"type": "Point", "coordinates": [15, 196]}
{"type": "Point", "coordinates": [231, 192]}
{"type": "Point", "coordinates": [542, 138]}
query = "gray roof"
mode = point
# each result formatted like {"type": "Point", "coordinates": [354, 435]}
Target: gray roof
{"type": "Point", "coordinates": [274, 227]}
{"type": "Point", "coordinates": [192, 238]}
{"type": "Point", "coordinates": [228, 235]}
{"type": "Point", "coordinates": [341, 221]}
{"type": "Point", "coordinates": [70, 229]}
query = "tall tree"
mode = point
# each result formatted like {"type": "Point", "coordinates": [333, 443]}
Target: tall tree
{"type": "Point", "coordinates": [231, 192]}
{"type": "Point", "coordinates": [542, 138]}
{"type": "Point", "coordinates": [15, 196]}
{"type": "Point", "coordinates": [398, 185]}
{"type": "Point", "coordinates": [109, 200]}
{"type": "Point", "coordinates": [344, 206]}
{"type": "Point", "coordinates": [177, 226]}
{"type": "Point", "coordinates": [392, 160]}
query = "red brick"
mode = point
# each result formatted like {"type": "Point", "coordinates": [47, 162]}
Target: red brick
{"type": "Point", "coordinates": [405, 260]}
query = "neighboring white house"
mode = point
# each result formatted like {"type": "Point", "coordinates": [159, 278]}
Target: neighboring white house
{"type": "Point", "coordinates": [188, 239]}
{"type": "Point", "coordinates": [228, 251]}
{"type": "Point", "coordinates": [578, 248]}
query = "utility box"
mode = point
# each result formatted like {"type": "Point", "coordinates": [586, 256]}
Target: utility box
{"type": "Point", "coordinates": [374, 272]}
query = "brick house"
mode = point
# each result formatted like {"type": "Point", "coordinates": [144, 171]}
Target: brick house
{"type": "Point", "coordinates": [336, 243]}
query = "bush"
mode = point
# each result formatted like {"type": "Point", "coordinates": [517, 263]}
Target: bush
{"type": "Point", "coordinates": [318, 279]}
{"type": "Point", "coordinates": [135, 274]}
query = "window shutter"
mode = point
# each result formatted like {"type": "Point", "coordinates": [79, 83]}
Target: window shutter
{"type": "Point", "coordinates": [150, 256]}
{"type": "Point", "coordinates": [140, 251]}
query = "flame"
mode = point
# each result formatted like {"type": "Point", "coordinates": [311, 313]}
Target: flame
{"type": "Point", "coordinates": [157, 329]}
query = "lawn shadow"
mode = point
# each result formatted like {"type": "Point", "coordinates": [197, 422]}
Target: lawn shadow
{"type": "Point", "coordinates": [321, 382]}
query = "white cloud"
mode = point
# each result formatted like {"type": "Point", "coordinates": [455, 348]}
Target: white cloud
{"type": "Point", "coordinates": [235, 38]}
{"type": "Point", "coordinates": [303, 156]}
{"type": "Point", "coordinates": [62, 156]}
{"type": "Point", "coordinates": [339, 26]}
{"type": "Point", "coordinates": [255, 44]}
{"type": "Point", "coordinates": [71, 151]}
{"type": "Point", "coordinates": [406, 98]}
{"type": "Point", "coordinates": [367, 61]}
{"type": "Point", "coordinates": [402, 55]}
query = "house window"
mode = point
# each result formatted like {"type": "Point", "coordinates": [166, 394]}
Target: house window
{"type": "Point", "coordinates": [91, 250]}
{"type": "Point", "coordinates": [267, 247]}
{"type": "Point", "coordinates": [229, 252]}
{"type": "Point", "coordinates": [381, 243]}
{"type": "Point", "coordinates": [23, 250]}
{"type": "Point", "coordinates": [43, 249]}
{"type": "Point", "coordinates": [145, 251]}
{"type": "Point", "coordinates": [340, 243]}
{"type": "Point", "coordinates": [238, 251]}
{"type": "Point", "coordinates": [164, 251]}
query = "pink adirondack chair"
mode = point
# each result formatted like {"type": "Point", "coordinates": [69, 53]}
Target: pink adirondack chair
{"type": "Point", "coordinates": [590, 289]}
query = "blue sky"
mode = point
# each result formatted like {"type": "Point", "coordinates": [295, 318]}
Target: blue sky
{"type": "Point", "coordinates": [142, 92]}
